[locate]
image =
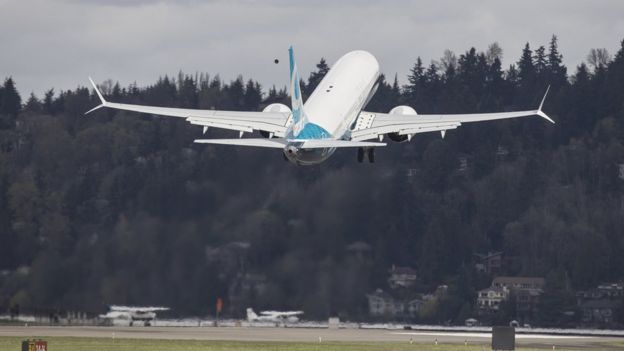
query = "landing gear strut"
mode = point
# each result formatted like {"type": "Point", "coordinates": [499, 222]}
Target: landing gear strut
{"type": "Point", "coordinates": [360, 154]}
{"type": "Point", "coordinates": [370, 154]}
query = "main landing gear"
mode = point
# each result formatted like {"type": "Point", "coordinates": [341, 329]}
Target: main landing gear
{"type": "Point", "coordinates": [370, 153]}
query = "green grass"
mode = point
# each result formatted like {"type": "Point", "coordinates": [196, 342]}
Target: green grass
{"type": "Point", "coordinates": [105, 344]}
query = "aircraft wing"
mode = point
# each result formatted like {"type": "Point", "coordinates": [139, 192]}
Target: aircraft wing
{"type": "Point", "coordinates": [280, 313]}
{"type": "Point", "coordinates": [137, 309]}
{"type": "Point", "coordinates": [377, 124]}
{"type": "Point", "coordinates": [271, 122]}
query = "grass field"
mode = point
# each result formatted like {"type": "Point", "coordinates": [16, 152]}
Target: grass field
{"type": "Point", "coordinates": [102, 344]}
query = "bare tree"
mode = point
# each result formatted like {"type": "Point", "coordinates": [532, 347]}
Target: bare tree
{"type": "Point", "coordinates": [598, 58]}
{"type": "Point", "coordinates": [448, 60]}
{"type": "Point", "coordinates": [494, 52]}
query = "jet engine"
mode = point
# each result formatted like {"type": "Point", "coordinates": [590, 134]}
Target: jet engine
{"type": "Point", "coordinates": [275, 107]}
{"type": "Point", "coordinates": [405, 111]}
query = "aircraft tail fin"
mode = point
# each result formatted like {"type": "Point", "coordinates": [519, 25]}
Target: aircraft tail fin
{"type": "Point", "coordinates": [251, 315]}
{"type": "Point", "coordinates": [299, 118]}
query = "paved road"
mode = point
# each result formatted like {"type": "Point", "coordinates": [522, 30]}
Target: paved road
{"type": "Point", "coordinates": [303, 335]}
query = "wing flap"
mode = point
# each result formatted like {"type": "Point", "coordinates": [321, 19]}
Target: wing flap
{"type": "Point", "coordinates": [402, 129]}
{"type": "Point", "coordinates": [240, 125]}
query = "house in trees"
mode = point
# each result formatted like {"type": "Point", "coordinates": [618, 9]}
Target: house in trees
{"type": "Point", "coordinates": [382, 304]}
{"type": "Point", "coordinates": [613, 291]}
{"type": "Point", "coordinates": [490, 263]}
{"type": "Point", "coordinates": [599, 312]}
{"type": "Point", "coordinates": [525, 292]}
{"type": "Point", "coordinates": [401, 301]}
{"type": "Point", "coordinates": [599, 305]}
{"type": "Point", "coordinates": [490, 299]}
{"type": "Point", "coordinates": [401, 277]}
{"type": "Point", "coordinates": [519, 283]}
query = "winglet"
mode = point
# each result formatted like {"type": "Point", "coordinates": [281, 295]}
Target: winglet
{"type": "Point", "coordinates": [97, 91]}
{"type": "Point", "coordinates": [539, 110]}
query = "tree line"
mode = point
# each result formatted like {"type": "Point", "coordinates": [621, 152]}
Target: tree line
{"type": "Point", "coordinates": [121, 208]}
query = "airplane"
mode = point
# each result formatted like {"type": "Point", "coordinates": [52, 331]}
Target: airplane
{"type": "Point", "coordinates": [331, 118]}
{"type": "Point", "coordinates": [273, 316]}
{"type": "Point", "coordinates": [133, 314]}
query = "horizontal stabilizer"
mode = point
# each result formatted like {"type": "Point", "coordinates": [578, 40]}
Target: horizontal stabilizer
{"type": "Point", "coordinates": [279, 143]}
{"type": "Point", "coordinates": [331, 143]}
{"type": "Point", "coordinates": [276, 143]}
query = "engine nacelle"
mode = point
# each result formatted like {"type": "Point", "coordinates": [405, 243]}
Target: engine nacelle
{"type": "Point", "coordinates": [275, 107]}
{"type": "Point", "coordinates": [401, 110]}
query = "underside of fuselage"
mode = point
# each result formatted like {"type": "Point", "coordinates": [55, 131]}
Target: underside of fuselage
{"type": "Point", "coordinates": [306, 157]}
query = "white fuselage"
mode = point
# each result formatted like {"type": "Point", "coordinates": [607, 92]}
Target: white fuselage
{"type": "Point", "coordinates": [337, 101]}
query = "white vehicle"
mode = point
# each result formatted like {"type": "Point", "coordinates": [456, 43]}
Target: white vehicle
{"type": "Point", "coordinates": [131, 314]}
{"type": "Point", "coordinates": [273, 316]}
{"type": "Point", "coordinates": [331, 118]}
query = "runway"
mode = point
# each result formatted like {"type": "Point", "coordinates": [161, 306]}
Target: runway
{"type": "Point", "coordinates": [307, 335]}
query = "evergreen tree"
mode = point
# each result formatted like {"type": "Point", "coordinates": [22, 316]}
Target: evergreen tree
{"type": "Point", "coordinates": [11, 100]}
{"type": "Point", "coordinates": [10, 104]}
{"type": "Point", "coordinates": [253, 95]}
{"type": "Point", "coordinates": [512, 75]}
{"type": "Point", "coordinates": [540, 60]}
{"type": "Point", "coordinates": [526, 68]}
{"type": "Point", "coordinates": [187, 92]}
{"type": "Point", "coordinates": [235, 93]}
{"type": "Point", "coordinates": [416, 75]}
{"type": "Point", "coordinates": [558, 72]}
{"type": "Point", "coordinates": [33, 104]}
{"type": "Point", "coordinates": [396, 90]}
{"type": "Point", "coordinates": [316, 76]}
{"type": "Point", "coordinates": [48, 102]}
{"type": "Point", "coordinates": [416, 89]}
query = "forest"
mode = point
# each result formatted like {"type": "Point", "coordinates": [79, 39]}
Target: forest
{"type": "Point", "coordinates": [122, 208]}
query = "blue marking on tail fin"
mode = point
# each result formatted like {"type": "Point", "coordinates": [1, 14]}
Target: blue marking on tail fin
{"type": "Point", "coordinates": [299, 118]}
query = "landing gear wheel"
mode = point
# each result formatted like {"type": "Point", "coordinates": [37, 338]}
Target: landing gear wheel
{"type": "Point", "coordinates": [360, 154]}
{"type": "Point", "coordinates": [371, 155]}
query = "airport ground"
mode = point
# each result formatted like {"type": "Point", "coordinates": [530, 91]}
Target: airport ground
{"type": "Point", "coordinates": [245, 338]}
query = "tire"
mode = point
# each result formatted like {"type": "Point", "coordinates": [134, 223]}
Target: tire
{"type": "Point", "coordinates": [360, 155]}
{"type": "Point", "coordinates": [371, 155]}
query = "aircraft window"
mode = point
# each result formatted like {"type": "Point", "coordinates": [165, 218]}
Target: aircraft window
{"type": "Point", "coordinates": [327, 90]}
